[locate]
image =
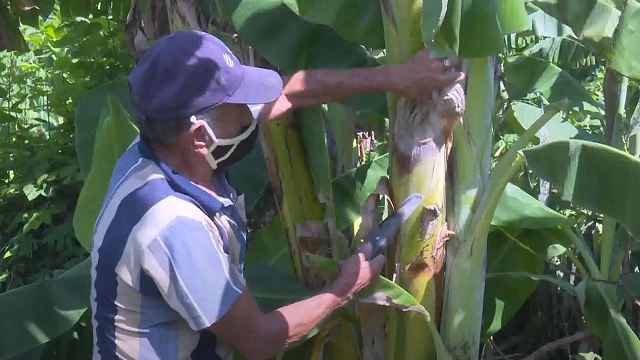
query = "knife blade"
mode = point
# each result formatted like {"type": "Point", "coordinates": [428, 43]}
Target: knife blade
{"type": "Point", "coordinates": [387, 229]}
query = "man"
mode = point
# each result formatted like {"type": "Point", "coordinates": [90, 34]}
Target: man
{"type": "Point", "coordinates": [169, 244]}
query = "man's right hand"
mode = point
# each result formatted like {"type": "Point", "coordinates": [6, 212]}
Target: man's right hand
{"type": "Point", "coordinates": [356, 273]}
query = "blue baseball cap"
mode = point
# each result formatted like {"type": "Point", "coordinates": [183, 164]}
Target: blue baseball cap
{"type": "Point", "coordinates": [186, 72]}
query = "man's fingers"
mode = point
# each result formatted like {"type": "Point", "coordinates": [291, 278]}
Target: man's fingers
{"type": "Point", "coordinates": [366, 249]}
{"type": "Point", "coordinates": [377, 263]}
{"type": "Point", "coordinates": [448, 79]}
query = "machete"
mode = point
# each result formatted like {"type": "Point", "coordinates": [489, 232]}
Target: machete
{"type": "Point", "coordinates": [387, 229]}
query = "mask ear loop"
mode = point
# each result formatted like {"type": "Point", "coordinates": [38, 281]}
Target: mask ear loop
{"type": "Point", "coordinates": [217, 142]}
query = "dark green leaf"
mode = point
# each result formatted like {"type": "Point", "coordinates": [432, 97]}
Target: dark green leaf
{"type": "Point", "coordinates": [526, 75]}
{"type": "Point", "coordinates": [270, 246]}
{"type": "Point", "coordinates": [359, 21]}
{"type": "Point", "coordinates": [558, 128]}
{"type": "Point", "coordinates": [291, 43]}
{"type": "Point", "coordinates": [475, 28]}
{"type": "Point", "coordinates": [592, 175]}
{"type": "Point", "coordinates": [626, 53]}
{"type": "Point", "coordinates": [352, 189]}
{"type": "Point", "coordinates": [518, 209]}
{"type": "Point", "coordinates": [517, 251]}
{"type": "Point", "coordinates": [250, 176]}
{"type": "Point", "coordinates": [595, 20]}
{"type": "Point", "coordinates": [36, 313]}
{"type": "Point", "coordinates": [116, 135]}
{"type": "Point", "coordinates": [10, 36]}
{"type": "Point", "coordinates": [87, 117]}
{"type": "Point", "coordinates": [272, 288]}
{"type": "Point", "coordinates": [562, 52]}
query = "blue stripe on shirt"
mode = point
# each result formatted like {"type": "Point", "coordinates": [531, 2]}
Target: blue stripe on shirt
{"type": "Point", "coordinates": [204, 280]}
{"type": "Point", "coordinates": [129, 213]}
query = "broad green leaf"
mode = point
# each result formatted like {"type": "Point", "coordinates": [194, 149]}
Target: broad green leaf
{"type": "Point", "coordinates": [288, 41]}
{"type": "Point", "coordinates": [594, 20]}
{"type": "Point", "coordinates": [269, 245]}
{"type": "Point", "coordinates": [36, 313]}
{"type": "Point", "coordinates": [359, 21]}
{"type": "Point", "coordinates": [562, 52]}
{"type": "Point", "coordinates": [512, 251]}
{"type": "Point", "coordinates": [602, 314]}
{"type": "Point", "coordinates": [543, 24]}
{"type": "Point", "coordinates": [272, 288]}
{"type": "Point", "coordinates": [626, 53]}
{"type": "Point", "coordinates": [592, 175]}
{"type": "Point", "coordinates": [116, 135]}
{"type": "Point", "coordinates": [352, 189]}
{"type": "Point", "coordinates": [386, 293]}
{"type": "Point", "coordinates": [518, 209]}
{"type": "Point", "coordinates": [87, 117]}
{"type": "Point", "coordinates": [250, 177]}
{"type": "Point", "coordinates": [526, 75]}
{"type": "Point", "coordinates": [291, 43]}
{"type": "Point", "coordinates": [526, 234]}
{"type": "Point", "coordinates": [558, 128]}
{"type": "Point", "coordinates": [11, 38]}
{"type": "Point", "coordinates": [475, 28]}
{"type": "Point", "coordinates": [512, 16]}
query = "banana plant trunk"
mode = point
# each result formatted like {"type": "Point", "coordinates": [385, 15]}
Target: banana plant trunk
{"type": "Point", "coordinates": [420, 141]}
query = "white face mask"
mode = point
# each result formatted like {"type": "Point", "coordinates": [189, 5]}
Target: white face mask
{"type": "Point", "coordinates": [216, 160]}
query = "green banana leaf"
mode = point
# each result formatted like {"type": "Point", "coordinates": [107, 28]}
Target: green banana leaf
{"type": "Point", "coordinates": [563, 52]}
{"type": "Point", "coordinates": [594, 20]}
{"type": "Point", "coordinates": [36, 313]}
{"type": "Point", "coordinates": [603, 317]}
{"type": "Point", "coordinates": [525, 75]}
{"type": "Point", "coordinates": [88, 119]}
{"type": "Point", "coordinates": [592, 175]}
{"type": "Point", "coordinates": [612, 25]}
{"type": "Point", "coordinates": [12, 39]}
{"type": "Point", "coordinates": [117, 133]}
{"type": "Point", "coordinates": [358, 21]}
{"type": "Point", "coordinates": [545, 25]}
{"type": "Point", "coordinates": [385, 293]}
{"type": "Point", "coordinates": [291, 43]}
{"type": "Point", "coordinates": [475, 28]}
{"type": "Point", "coordinates": [522, 115]}
{"type": "Point", "coordinates": [525, 235]}
{"type": "Point", "coordinates": [269, 246]}
{"type": "Point", "coordinates": [626, 53]}
{"type": "Point", "coordinates": [351, 190]}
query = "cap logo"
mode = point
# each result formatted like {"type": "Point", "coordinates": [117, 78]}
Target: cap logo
{"type": "Point", "coordinates": [228, 60]}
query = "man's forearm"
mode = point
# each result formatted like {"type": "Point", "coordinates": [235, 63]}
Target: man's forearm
{"type": "Point", "coordinates": [308, 88]}
{"type": "Point", "coordinates": [289, 324]}
{"type": "Point", "coordinates": [316, 87]}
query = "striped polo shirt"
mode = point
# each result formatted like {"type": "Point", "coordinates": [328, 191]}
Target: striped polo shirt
{"type": "Point", "coordinates": [167, 262]}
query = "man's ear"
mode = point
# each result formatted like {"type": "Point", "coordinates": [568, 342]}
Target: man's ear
{"type": "Point", "coordinates": [199, 137]}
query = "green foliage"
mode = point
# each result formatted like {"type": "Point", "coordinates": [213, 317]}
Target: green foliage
{"type": "Point", "coordinates": [39, 91]}
{"type": "Point", "coordinates": [591, 175]}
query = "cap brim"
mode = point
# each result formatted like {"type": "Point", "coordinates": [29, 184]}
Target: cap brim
{"type": "Point", "coordinates": [258, 86]}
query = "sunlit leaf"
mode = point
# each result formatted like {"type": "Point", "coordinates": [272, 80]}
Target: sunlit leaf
{"type": "Point", "coordinates": [36, 313]}
{"type": "Point", "coordinates": [88, 118]}
{"type": "Point", "coordinates": [116, 135]}
{"type": "Point", "coordinates": [592, 175]}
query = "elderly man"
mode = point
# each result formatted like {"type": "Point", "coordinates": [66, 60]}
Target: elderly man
{"type": "Point", "coordinates": [169, 244]}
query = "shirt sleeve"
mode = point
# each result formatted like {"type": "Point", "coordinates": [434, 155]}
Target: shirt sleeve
{"type": "Point", "coordinates": [192, 272]}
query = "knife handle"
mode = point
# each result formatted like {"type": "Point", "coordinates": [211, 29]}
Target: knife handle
{"type": "Point", "coordinates": [378, 245]}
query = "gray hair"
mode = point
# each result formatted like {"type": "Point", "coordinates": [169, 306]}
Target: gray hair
{"type": "Point", "coordinates": [167, 131]}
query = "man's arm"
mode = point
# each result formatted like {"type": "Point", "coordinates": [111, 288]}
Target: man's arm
{"type": "Point", "coordinates": [415, 79]}
{"type": "Point", "coordinates": [261, 336]}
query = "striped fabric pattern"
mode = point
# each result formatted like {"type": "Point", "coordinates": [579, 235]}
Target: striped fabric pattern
{"type": "Point", "coordinates": [162, 270]}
